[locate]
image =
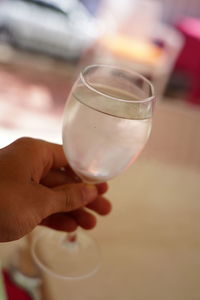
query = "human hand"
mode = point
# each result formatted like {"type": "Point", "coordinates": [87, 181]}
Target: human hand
{"type": "Point", "coordinates": [37, 186]}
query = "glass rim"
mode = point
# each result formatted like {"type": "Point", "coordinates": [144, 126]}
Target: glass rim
{"type": "Point", "coordinates": [122, 68]}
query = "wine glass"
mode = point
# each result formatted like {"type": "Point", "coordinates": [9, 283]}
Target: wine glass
{"type": "Point", "coordinates": [107, 122]}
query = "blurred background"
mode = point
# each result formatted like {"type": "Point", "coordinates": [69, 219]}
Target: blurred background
{"type": "Point", "coordinates": [43, 46]}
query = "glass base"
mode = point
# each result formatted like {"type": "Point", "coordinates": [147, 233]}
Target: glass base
{"type": "Point", "coordinates": [64, 257]}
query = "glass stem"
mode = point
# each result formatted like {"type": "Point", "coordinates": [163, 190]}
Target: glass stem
{"type": "Point", "coordinates": [71, 241]}
{"type": "Point", "coordinates": [72, 237]}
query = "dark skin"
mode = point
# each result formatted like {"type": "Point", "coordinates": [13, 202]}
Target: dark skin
{"type": "Point", "coordinates": [37, 187]}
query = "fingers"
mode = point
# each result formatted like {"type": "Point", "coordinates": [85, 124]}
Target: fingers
{"type": "Point", "coordinates": [60, 221]}
{"type": "Point", "coordinates": [80, 217]}
{"type": "Point", "coordinates": [60, 177]}
{"type": "Point", "coordinates": [54, 178]}
{"type": "Point", "coordinates": [78, 195]}
{"type": "Point", "coordinates": [69, 197]}
{"type": "Point", "coordinates": [56, 153]}
{"type": "Point", "coordinates": [70, 221]}
{"type": "Point", "coordinates": [100, 205]}
{"type": "Point", "coordinates": [102, 187]}
{"type": "Point", "coordinates": [48, 154]}
{"type": "Point", "coordinates": [83, 218]}
{"type": "Point", "coordinates": [57, 177]}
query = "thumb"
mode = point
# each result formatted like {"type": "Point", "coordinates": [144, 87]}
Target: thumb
{"type": "Point", "coordinates": [70, 197]}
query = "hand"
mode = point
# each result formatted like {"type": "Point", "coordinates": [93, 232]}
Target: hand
{"type": "Point", "coordinates": [37, 186]}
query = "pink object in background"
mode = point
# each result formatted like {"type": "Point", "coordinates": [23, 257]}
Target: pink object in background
{"type": "Point", "coordinates": [189, 58]}
{"type": "Point", "coordinates": [13, 291]}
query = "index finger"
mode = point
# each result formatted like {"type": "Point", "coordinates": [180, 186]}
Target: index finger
{"type": "Point", "coordinates": [58, 157]}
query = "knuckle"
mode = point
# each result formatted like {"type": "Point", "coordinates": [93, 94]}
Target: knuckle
{"type": "Point", "coordinates": [29, 146]}
{"type": "Point", "coordinates": [23, 140]}
{"type": "Point", "coordinates": [83, 196]}
{"type": "Point", "coordinates": [28, 143]}
{"type": "Point", "coordinates": [74, 197]}
{"type": "Point", "coordinates": [68, 202]}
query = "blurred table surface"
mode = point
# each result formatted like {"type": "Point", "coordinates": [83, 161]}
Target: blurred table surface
{"type": "Point", "coordinates": [151, 241]}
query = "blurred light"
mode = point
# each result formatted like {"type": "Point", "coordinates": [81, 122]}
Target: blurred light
{"type": "Point", "coordinates": [132, 49]}
{"type": "Point", "coordinates": [39, 98]}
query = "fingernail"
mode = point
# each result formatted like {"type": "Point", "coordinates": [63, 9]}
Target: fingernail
{"type": "Point", "coordinates": [90, 191]}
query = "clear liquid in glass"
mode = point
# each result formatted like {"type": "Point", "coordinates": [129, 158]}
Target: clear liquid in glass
{"type": "Point", "coordinates": [99, 146]}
